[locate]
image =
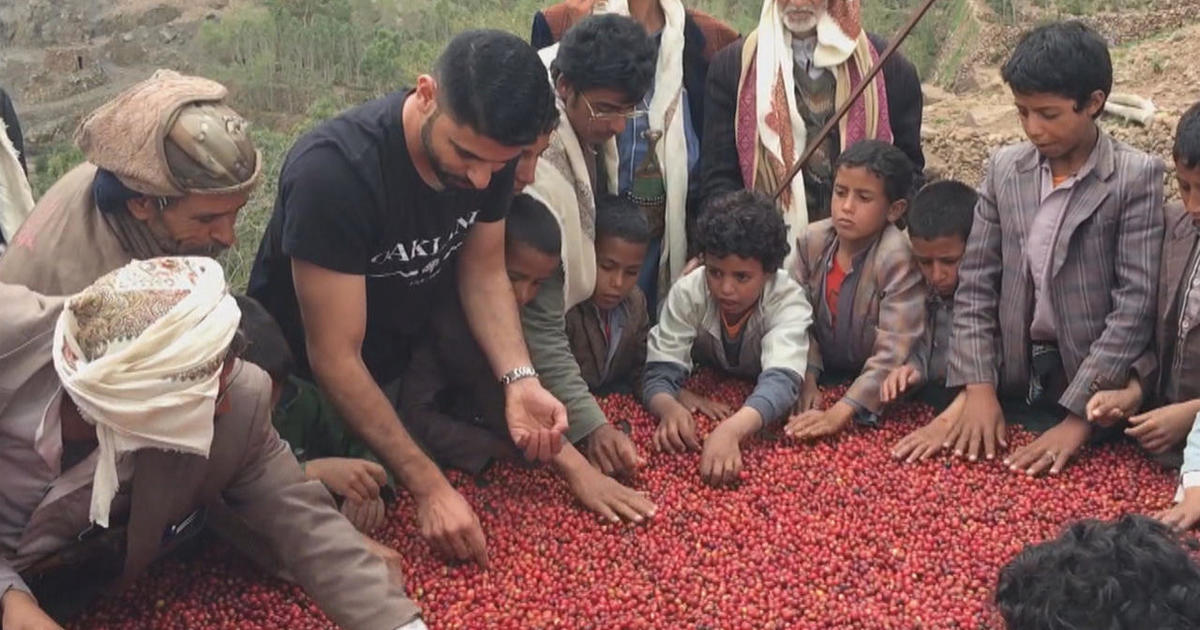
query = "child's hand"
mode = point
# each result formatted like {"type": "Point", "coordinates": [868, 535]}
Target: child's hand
{"type": "Point", "coordinates": [366, 516]}
{"type": "Point", "coordinates": [810, 394]}
{"type": "Point", "coordinates": [1160, 430]}
{"type": "Point", "coordinates": [898, 382]}
{"type": "Point", "coordinates": [608, 497]}
{"type": "Point", "coordinates": [676, 432]}
{"type": "Point", "coordinates": [1107, 407]}
{"type": "Point", "coordinates": [814, 423]}
{"type": "Point", "coordinates": [1185, 514]}
{"type": "Point", "coordinates": [980, 426]}
{"type": "Point", "coordinates": [356, 479]}
{"type": "Point", "coordinates": [721, 460]}
{"type": "Point", "coordinates": [1052, 449]}
{"type": "Point", "coordinates": [696, 403]}
{"type": "Point", "coordinates": [612, 451]}
{"type": "Point", "coordinates": [930, 439]}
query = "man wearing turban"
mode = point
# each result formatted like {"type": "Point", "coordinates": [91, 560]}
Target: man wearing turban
{"type": "Point", "coordinates": [126, 410]}
{"type": "Point", "coordinates": [169, 165]}
{"type": "Point", "coordinates": [770, 93]}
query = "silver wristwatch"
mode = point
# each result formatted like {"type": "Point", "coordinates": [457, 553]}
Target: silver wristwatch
{"type": "Point", "coordinates": [516, 374]}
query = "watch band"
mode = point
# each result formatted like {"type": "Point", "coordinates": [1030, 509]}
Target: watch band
{"type": "Point", "coordinates": [516, 374]}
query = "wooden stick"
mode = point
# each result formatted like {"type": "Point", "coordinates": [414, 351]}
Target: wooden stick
{"type": "Point", "coordinates": [862, 86]}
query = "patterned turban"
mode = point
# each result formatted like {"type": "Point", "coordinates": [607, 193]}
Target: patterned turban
{"type": "Point", "coordinates": [140, 353]}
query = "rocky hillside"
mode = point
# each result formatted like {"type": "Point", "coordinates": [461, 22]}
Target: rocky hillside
{"type": "Point", "coordinates": [61, 58]}
{"type": "Point", "coordinates": [963, 124]}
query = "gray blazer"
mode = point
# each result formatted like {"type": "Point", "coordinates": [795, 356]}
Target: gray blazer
{"type": "Point", "coordinates": [1103, 273]}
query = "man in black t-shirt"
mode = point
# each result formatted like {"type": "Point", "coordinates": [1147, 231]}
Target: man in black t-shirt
{"type": "Point", "coordinates": [376, 209]}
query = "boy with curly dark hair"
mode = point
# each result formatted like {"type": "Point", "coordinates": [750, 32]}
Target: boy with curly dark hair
{"type": "Point", "coordinates": [857, 268]}
{"type": "Point", "coordinates": [739, 312]}
{"type": "Point", "coordinates": [1121, 575]}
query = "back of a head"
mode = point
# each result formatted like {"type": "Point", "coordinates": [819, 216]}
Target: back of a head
{"type": "Point", "coordinates": [1068, 59]}
{"type": "Point", "coordinates": [886, 162]}
{"type": "Point", "coordinates": [607, 52]}
{"type": "Point", "coordinates": [942, 208]}
{"type": "Point", "coordinates": [266, 346]}
{"type": "Point", "coordinates": [744, 223]}
{"type": "Point", "coordinates": [621, 218]}
{"type": "Point", "coordinates": [494, 83]}
{"type": "Point", "coordinates": [1127, 574]}
{"type": "Point", "coordinates": [1187, 138]}
{"type": "Point", "coordinates": [531, 223]}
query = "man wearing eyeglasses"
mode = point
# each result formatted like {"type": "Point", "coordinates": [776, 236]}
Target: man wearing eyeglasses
{"type": "Point", "coordinates": [601, 71]}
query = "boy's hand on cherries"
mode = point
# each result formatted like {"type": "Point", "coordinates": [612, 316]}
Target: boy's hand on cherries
{"type": "Point", "coordinates": [1052, 450]}
{"type": "Point", "coordinates": [810, 395]}
{"type": "Point", "coordinates": [612, 451]}
{"type": "Point", "coordinates": [815, 423]}
{"type": "Point", "coordinates": [980, 427]}
{"type": "Point", "coordinates": [930, 439]}
{"type": "Point", "coordinates": [898, 382]}
{"type": "Point", "coordinates": [696, 403]}
{"type": "Point", "coordinates": [1160, 430]}
{"type": "Point", "coordinates": [676, 432]}
{"type": "Point", "coordinates": [608, 497]}
{"type": "Point", "coordinates": [721, 459]}
{"type": "Point", "coordinates": [1110, 406]}
{"type": "Point", "coordinates": [1185, 514]}
{"type": "Point", "coordinates": [366, 516]}
{"type": "Point", "coordinates": [356, 479]}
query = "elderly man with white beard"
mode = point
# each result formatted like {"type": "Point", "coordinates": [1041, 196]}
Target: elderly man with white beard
{"type": "Point", "coordinates": [770, 93]}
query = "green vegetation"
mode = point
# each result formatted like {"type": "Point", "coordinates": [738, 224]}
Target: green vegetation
{"type": "Point", "coordinates": [297, 62]}
{"type": "Point", "coordinates": [52, 163]}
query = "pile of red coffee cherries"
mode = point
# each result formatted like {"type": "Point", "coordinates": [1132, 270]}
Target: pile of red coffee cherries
{"type": "Point", "coordinates": [829, 534]}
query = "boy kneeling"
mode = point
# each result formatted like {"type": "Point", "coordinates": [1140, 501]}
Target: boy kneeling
{"type": "Point", "coordinates": [739, 312]}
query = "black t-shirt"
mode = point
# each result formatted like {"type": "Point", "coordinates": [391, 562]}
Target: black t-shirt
{"type": "Point", "coordinates": [350, 200]}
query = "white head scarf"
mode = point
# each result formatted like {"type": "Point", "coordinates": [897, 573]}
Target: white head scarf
{"type": "Point", "coordinates": [140, 353]}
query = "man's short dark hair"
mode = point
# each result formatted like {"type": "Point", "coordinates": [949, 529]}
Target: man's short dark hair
{"type": "Point", "coordinates": [744, 223]}
{"type": "Point", "coordinates": [495, 83]}
{"type": "Point", "coordinates": [943, 208]}
{"type": "Point", "coordinates": [621, 218]}
{"type": "Point", "coordinates": [1068, 59]}
{"type": "Point", "coordinates": [607, 51]}
{"type": "Point", "coordinates": [1187, 138]}
{"type": "Point", "coordinates": [885, 162]}
{"type": "Point", "coordinates": [1122, 575]}
{"type": "Point", "coordinates": [531, 223]}
{"type": "Point", "coordinates": [265, 344]}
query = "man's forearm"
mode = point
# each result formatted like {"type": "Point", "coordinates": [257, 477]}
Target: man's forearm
{"type": "Point", "coordinates": [491, 310]}
{"type": "Point", "coordinates": [370, 415]}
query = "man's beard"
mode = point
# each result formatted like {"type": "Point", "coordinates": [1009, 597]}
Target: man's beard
{"type": "Point", "coordinates": [212, 250]}
{"type": "Point", "coordinates": [802, 24]}
{"type": "Point", "coordinates": [447, 178]}
{"type": "Point", "coordinates": [172, 247]}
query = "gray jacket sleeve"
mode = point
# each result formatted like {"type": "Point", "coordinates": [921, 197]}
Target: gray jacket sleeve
{"type": "Point", "coordinates": [662, 377]}
{"type": "Point", "coordinates": [321, 549]}
{"type": "Point", "coordinates": [777, 390]}
{"type": "Point", "coordinates": [544, 322]}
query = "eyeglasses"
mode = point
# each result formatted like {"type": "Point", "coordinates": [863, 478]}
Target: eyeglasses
{"type": "Point", "coordinates": [629, 115]}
